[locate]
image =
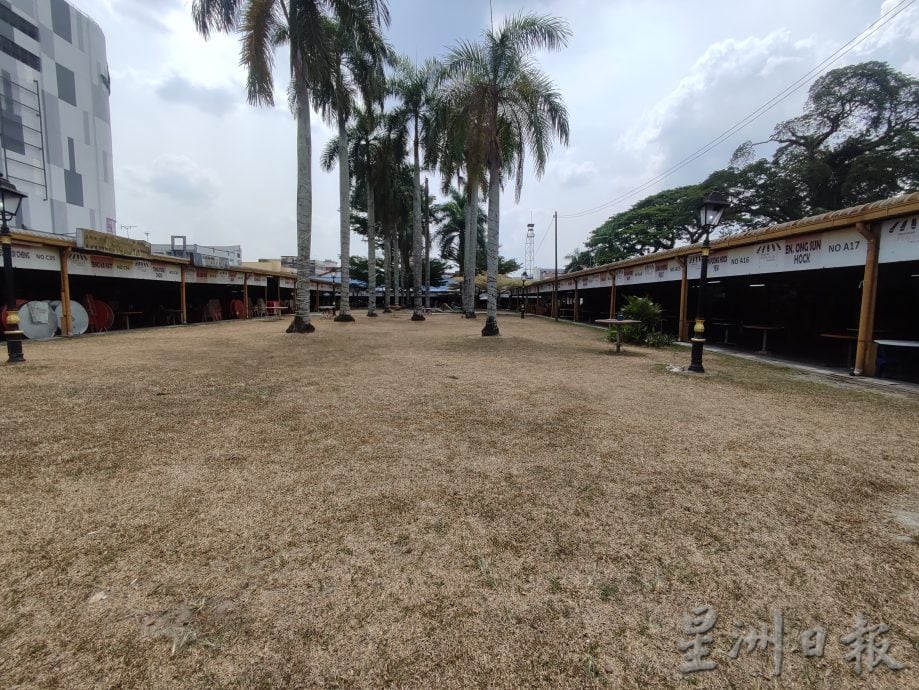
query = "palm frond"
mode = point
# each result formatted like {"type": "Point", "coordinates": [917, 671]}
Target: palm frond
{"type": "Point", "coordinates": [215, 15]}
{"type": "Point", "coordinates": [261, 23]}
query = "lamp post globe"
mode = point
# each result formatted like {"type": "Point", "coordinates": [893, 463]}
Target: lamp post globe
{"type": "Point", "coordinates": [710, 211]}
{"type": "Point", "coordinates": [10, 199]}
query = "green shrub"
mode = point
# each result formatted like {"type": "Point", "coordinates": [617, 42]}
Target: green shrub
{"type": "Point", "coordinates": [649, 313]}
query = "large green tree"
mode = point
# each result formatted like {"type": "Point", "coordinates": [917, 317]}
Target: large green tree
{"type": "Point", "coordinates": [660, 221]}
{"type": "Point", "coordinates": [857, 141]}
{"type": "Point", "coordinates": [511, 103]}
{"type": "Point", "coordinates": [266, 25]}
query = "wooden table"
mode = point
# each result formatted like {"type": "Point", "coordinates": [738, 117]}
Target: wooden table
{"type": "Point", "coordinates": [327, 312]}
{"type": "Point", "coordinates": [274, 313]}
{"type": "Point", "coordinates": [882, 361]}
{"type": "Point", "coordinates": [851, 338]}
{"type": "Point", "coordinates": [765, 329]}
{"type": "Point", "coordinates": [727, 329]}
{"type": "Point", "coordinates": [618, 323]}
{"type": "Point", "coordinates": [127, 318]}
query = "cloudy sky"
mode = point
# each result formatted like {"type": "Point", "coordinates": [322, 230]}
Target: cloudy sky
{"type": "Point", "coordinates": [647, 83]}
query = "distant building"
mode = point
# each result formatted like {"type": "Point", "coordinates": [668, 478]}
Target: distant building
{"type": "Point", "coordinates": [200, 254]}
{"type": "Point", "coordinates": [544, 273]}
{"type": "Point", "coordinates": [316, 267]}
{"type": "Point", "coordinates": [55, 127]}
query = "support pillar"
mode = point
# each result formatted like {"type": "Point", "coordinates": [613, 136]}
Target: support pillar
{"type": "Point", "coordinates": [577, 306]}
{"type": "Point", "coordinates": [67, 325]}
{"type": "Point", "coordinates": [183, 305]}
{"type": "Point", "coordinates": [684, 300]}
{"type": "Point", "coordinates": [866, 352]}
{"type": "Point", "coordinates": [246, 293]}
{"type": "Point", "coordinates": [612, 295]}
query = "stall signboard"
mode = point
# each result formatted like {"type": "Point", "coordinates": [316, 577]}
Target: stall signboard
{"type": "Point", "coordinates": [258, 281]}
{"type": "Point", "coordinates": [287, 283]}
{"type": "Point", "coordinates": [899, 240]}
{"type": "Point", "coordinates": [208, 276]}
{"type": "Point", "coordinates": [834, 249]}
{"type": "Point", "coordinates": [96, 241]}
{"type": "Point", "coordinates": [656, 272]}
{"type": "Point", "coordinates": [35, 258]}
{"type": "Point", "coordinates": [102, 266]}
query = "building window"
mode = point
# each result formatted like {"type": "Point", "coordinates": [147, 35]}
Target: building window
{"type": "Point", "coordinates": [66, 85]}
{"type": "Point", "coordinates": [20, 53]}
{"type": "Point", "coordinates": [60, 19]}
{"type": "Point", "coordinates": [25, 26]}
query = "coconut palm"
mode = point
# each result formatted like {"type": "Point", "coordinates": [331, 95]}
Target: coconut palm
{"type": "Point", "coordinates": [514, 107]}
{"type": "Point", "coordinates": [415, 87]}
{"type": "Point", "coordinates": [266, 25]}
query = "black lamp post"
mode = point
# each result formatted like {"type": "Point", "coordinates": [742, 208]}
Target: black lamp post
{"type": "Point", "coordinates": [10, 198]}
{"type": "Point", "coordinates": [523, 288]}
{"type": "Point", "coordinates": [710, 211]}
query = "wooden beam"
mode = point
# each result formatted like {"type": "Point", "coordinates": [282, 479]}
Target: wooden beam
{"type": "Point", "coordinates": [67, 326]}
{"type": "Point", "coordinates": [182, 303]}
{"type": "Point", "coordinates": [577, 308]}
{"type": "Point", "coordinates": [684, 300]}
{"type": "Point", "coordinates": [612, 295]}
{"type": "Point", "coordinates": [246, 293]}
{"type": "Point", "coordinates": [865, 353]}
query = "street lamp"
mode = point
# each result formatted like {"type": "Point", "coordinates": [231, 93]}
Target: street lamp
{"type": "Point", "coordinates": [523, 288]}
{"type": "Point", "coordinates": [10, 198]}
{"type": "Point", "coordinates": [710, 211]}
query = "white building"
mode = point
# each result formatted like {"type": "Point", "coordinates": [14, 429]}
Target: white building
{"type": "Point", "coordinates": [55, 129]}
{"type": "Point", "coordinates": [200, 254]}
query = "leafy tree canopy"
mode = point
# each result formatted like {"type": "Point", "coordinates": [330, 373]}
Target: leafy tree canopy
{"type": "Point", "coordinates": [857, 141]}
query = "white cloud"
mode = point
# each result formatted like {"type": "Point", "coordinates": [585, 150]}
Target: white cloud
{"type": "Point", "coordinates": [176, 177]}
{"type": "Point", "coordinates": [214, 100]}
{"type": "Point", "coordinates": [646, 82]}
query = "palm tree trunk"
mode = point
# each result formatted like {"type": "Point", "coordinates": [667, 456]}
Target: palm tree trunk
{"type": "Point", "coordinates": [427, 249]}
{"type": "Point", "coordinates": [427, 264]}
{"type": "Point", "coordinates": [417, 312]}
{"type": "Point", "coordinates": [494, 201]}
{"type": "Point", "coordinates": [301, 322]}
{"type": "Point", "coordinates": [371, 250]}
{"type": "Point", "coordinates": [396, 260]}
{"type": "Point", "coordinates": [344, 220]}
{"type": "Point", "coordinates": [472, 220]}
{"type": "Point", "coordinates": [387, 271]}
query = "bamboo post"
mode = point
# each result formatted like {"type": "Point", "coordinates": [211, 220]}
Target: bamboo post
{"type": "Point", "coordinates": [67, 326]}
{"type": "Point", "coordinates": [684, 300]}
{"type": "Point", "coordinates": [182, 303]}
{"type": "Point", "coordinates": [612, 295]}
{"type": "Point", "coordinates": [865, 352]}
{"type": "Point", "coordinates": [246, 293]}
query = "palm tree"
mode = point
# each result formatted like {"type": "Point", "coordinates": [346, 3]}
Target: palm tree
{"type": "Point", "coordinates": [364, 139]}
{"type": "Point", "coordinates": [357, 66]}
{"type": "Point", "coordinates": [415, 87]}
{"type": "Point", "coordinates": [456, 149]}
{"type": "Point", "coordinates": [514, 107]}
{"type": "Point", "coordinates": [451, 235]}
{"type": "Point", "coordinates": [266, 25]}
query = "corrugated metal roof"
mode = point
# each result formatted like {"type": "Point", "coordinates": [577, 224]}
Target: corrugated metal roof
{"type": "Point", "coordinates": [903, 204]}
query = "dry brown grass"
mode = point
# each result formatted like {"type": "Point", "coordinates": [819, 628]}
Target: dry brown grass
{"type": "Point", "coordinates": [398, 503]}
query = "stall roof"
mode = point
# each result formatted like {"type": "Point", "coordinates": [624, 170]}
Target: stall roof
{"type": "Point", "coordinates": [901, 205]}
{"type": "Point", "coordinates": [48, 239]}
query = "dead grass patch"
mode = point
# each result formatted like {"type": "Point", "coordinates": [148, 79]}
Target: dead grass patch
{"type": "Point", "coordinates": [389, 503]}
